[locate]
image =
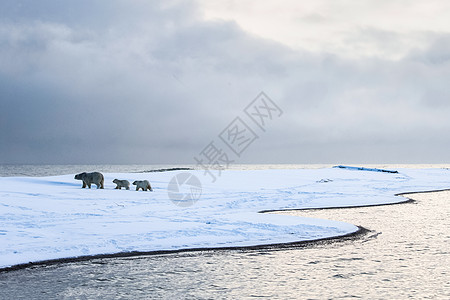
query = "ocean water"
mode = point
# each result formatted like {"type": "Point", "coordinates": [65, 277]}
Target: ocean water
{"type": "Point", "coordinates": [405, 255]}
{"type": "Point", "coordinates": [52, 170]}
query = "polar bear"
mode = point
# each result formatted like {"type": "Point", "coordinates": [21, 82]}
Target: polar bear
{"type": "Point", "coordinates": [91, 178]}
{"type": "Point", "coordinates": [122, 184]}
{"type": "Point", "coordinates": [142, 184]}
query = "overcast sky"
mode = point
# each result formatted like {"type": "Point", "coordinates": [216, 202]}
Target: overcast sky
{"type": "Point", "coordinates": [154, 82]}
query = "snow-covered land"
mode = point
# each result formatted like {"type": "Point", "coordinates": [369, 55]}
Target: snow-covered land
{"type": "Point", "coordinates": [53, 217]}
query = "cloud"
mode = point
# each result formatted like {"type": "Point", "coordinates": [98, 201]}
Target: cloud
{"type": "Point", "coordinates": [345, 28]}
{"type": "Point", "coordinates": [102, 86]}
{"type": "Point", "coordinates": [153, 82]}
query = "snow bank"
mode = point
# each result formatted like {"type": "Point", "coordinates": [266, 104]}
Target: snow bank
{"type": "Point", "coordinates": [52, 217]}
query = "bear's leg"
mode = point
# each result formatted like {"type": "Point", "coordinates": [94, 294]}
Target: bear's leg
{"type": "Point", "coordinates": [102, 184]}
{"type": "Point", "coordinates": [89, 185]}
{"type": "Point", "coordinates": [117, 188]}
{"type": "Point", "coordinates": [137, 188]}
{"type": "Point", "coordinates": [84, 185]}
{"type": "Point", "coordinates": [127, 187]}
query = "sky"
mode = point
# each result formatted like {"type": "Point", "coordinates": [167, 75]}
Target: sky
{"type": "Point", "coordinates": [156, 82]}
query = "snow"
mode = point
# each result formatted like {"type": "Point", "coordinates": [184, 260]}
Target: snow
{"type": "Point", "coordinates": [45, 218]}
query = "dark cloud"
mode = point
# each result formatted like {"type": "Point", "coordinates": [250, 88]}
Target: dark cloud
{"type": "Point", "coordinates": [151, 82]}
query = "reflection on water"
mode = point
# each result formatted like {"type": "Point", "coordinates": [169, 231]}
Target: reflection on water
{"type": "Point", "coordinates": [406, 256]}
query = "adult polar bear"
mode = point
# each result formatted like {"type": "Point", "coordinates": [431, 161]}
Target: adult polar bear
{"type": "Point", "coordinates": [91, 178]}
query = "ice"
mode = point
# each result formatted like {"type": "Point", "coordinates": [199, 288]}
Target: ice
{"type": "Point", "coordinates": [365, 169]}
{"type": "Point", "coordinates": [53, 217]}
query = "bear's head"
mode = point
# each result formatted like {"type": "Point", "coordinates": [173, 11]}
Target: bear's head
{"type": "Point", "coordinates": [80, 176]}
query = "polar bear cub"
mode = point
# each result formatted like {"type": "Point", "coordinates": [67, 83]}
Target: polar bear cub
{"type": "Point", "coordinates": [142, 184]}
{"type": "Point", "coordinates": [122, 184]}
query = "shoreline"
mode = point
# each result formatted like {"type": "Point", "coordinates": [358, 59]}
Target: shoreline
{"type": "Point", "coordinates": [362, 231]}
{"type": "Point", "coordinates": [299, 244]}
{"type": "Point", "coordinates": [340, 207]}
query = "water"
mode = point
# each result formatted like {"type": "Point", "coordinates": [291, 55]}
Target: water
{"type": "Point", "coordinates": [51, 170]}
{"type": "Point", "coordinates": [406, 255]}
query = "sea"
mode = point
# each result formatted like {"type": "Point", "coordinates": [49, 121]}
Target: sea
{"type": "Point", "coordinates": [405, 255]}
